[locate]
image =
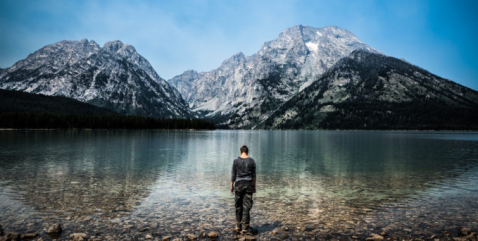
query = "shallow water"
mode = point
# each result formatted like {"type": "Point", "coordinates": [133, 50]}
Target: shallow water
{"type": "Point", "coordinates": [126, 184]}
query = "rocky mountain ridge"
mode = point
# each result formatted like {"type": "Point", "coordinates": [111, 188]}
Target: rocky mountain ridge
{"type": "Point", "coordinates": [307, 78]}
{"type": "Point", "coordinates": [114, 76]}
{"type": "Point", "coordinates": [372, 91]}
{"type": "Point", "coordinates": [244, 90]}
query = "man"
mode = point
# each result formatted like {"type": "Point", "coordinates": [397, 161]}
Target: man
{"type": "Point", "coordinates": [243, 185]}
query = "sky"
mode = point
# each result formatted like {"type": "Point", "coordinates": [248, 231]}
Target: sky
{"type": "Point", "coordinates": [174, 36]}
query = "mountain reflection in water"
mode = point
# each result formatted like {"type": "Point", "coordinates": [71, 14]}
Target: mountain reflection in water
{"type": "Point", "coordinates": [337, 181]}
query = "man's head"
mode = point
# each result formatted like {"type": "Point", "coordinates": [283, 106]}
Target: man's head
{"type": "Point", "coordinates": [244, 149]}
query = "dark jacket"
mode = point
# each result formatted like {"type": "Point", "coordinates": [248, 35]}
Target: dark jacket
{"type": "Point", "coordinates": [243, 171]}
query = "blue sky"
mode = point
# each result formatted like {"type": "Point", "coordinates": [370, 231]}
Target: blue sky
{"type": "Point", "coordinates": [440, 36]}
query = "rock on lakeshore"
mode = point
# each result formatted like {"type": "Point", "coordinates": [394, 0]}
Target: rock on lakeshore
{"type": "Point", "coordinates": [55, 229]}
{"type": "Point", "coordinates": [191, 237]}
{"type": "Point", "coordinates": [212, 235]}
{"type": "Point", "coordinates": [375, 237]}
{"type": "Point", "coordinates": [78, 236]}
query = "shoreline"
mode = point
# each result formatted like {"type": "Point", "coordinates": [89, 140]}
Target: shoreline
{"type": "Point", "coordinates": [66, 230]}
{"type": "Point", "coordinates": [338, 130]}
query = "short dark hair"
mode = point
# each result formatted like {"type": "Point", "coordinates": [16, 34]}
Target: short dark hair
{"type": "Point", "coordinates": [244, 149]}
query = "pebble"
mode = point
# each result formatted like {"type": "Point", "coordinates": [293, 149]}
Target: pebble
{"type": "Point", "coordinates": [78, 236]}
{"type": "Point", "coordinates": [166, 238]}
{"type": "Point", "coordinates": [29, 235]}
{"type": "Point", "coordinates": [246, 238]}
{"type": "Point", "coordinates": [55, 229]}
{"type": "Point", "coordinates": [374, 237]}
{"type": "Point", "coordinates": [284, 235]}
{"type": "Point", "coordinates": [191, 237]}
{"type": "Point", "coordinates": [464, 231]}
{"type": "Point", "coordinates": [148, 236]}
{"type": "Point", "coordinates": [212, 235]}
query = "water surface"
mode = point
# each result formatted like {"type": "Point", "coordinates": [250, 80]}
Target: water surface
{"type": "Point", "coordinates": [126, 184]}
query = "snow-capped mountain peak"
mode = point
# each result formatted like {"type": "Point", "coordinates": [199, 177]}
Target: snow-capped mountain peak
{"type": "Point", "coordinates": [255, 85]}
{"type": "Point", "coordinates": [114, 76]}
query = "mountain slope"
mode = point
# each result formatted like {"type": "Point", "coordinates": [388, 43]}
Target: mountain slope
{"type": "Point", "coordinates": [114, 76]}
{"type": "Point", "coordinates": [373, 91]}
{"type": "Point", "coordinates": [244, 90]}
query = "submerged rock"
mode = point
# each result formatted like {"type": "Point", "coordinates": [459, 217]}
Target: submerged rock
{"type": "Point", "coordinates": [464, 231]}
{"type": "Point", "coordinates": [284, 235]}
{"type": "Point", "coordinates": [29, 235]}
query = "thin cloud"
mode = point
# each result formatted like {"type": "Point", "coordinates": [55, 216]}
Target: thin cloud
{"type": "Point", "coordinates": [179, 35]}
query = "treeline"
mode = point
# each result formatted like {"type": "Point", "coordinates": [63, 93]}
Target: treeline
{"type": "Point", "coordinates": [24, 110]}
{"type": "Point", "coordinates": [55, 121]}
{"type": "Point", "coordinates": [21, 102]}
{"type": "Point", "coordinates": [415, 115]}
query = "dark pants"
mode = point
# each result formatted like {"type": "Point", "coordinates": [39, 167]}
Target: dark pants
{"type": "Point", "coordinates": [243, 204]}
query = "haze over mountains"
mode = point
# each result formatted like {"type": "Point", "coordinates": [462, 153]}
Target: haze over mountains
{"type": "Point", "coordinates": [306, 78]}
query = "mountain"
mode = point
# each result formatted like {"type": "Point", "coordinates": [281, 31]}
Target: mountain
{"type": "Point", "coordinates": [371, 91]}
{"type": "Point", "coordinates": [244, 90]}
{"type": "Point", "coordinates": [114, 76]}
{"type": "Point", "coordinates": [21, 102]}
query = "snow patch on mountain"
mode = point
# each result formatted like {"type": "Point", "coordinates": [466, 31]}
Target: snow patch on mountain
{"type": "Point", "coordinates": [245, 90]}
{"type": "Point", "coordinates": [114, 76]}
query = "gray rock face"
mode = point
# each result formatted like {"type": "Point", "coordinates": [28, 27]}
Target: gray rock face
{"type": "Point", "coordinates": [245, 90]}
{"type": "Point", "coordinates": [114, 76]}
{"type": "Point", "coordinates": [372, 91]}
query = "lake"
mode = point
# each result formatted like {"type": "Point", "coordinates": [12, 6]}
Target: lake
{"type": "Point", "coordinates": [118, 184]}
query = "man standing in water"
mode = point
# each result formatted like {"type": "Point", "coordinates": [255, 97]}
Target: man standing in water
{"type": "Point", "coordinates": [243, 185]}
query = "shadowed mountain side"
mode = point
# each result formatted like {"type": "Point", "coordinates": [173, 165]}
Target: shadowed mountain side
{"type": "Point", "coordinates": [244, 90]}
{"type": "Point", "coordinates": [373, 91]}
